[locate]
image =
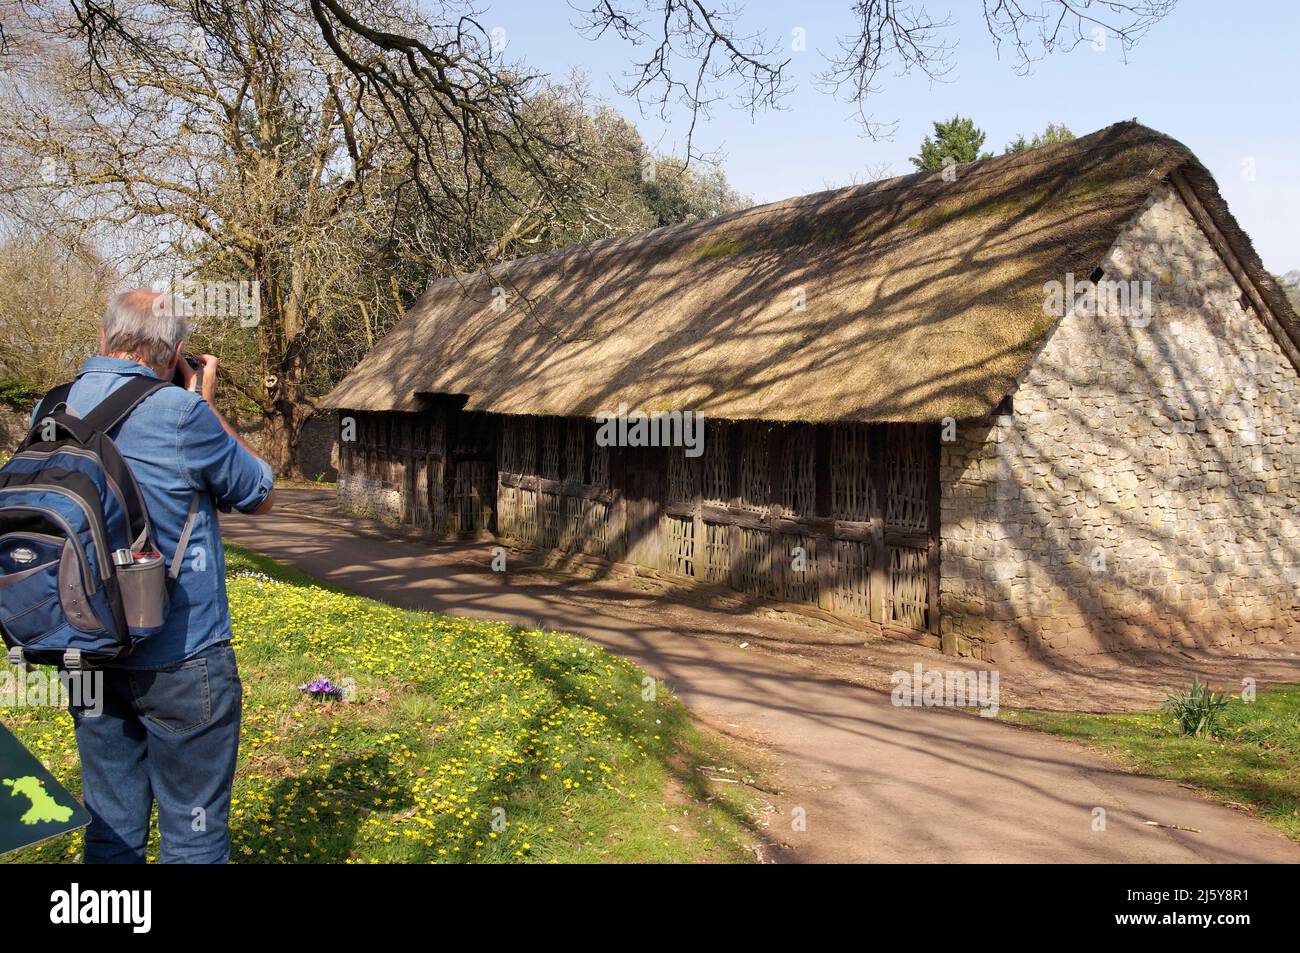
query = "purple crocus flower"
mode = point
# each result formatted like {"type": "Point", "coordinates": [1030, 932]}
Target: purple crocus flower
{"type": "Point", "coordinates": [322, 688]}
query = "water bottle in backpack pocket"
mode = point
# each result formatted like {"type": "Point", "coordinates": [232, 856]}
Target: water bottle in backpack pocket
{"type": "Point", "coordinates": [81, 579]}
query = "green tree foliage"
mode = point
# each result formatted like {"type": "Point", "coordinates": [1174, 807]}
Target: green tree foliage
{"type": "Point", "coordinates": [957, 139]}
{"type": "Point", "coordinates": [1054, 133]}
{"type": "Point", "coordinates": [1290, 284]}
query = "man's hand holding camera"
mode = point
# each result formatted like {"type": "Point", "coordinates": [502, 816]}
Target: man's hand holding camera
{"type": "Point", "coordinates": [199, 374]}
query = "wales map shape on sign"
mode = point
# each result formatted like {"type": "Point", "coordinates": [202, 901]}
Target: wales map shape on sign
{"type": "Point", "coordinates": [33, 805]}
{"type": "Point", "coordinates": [44, 808]}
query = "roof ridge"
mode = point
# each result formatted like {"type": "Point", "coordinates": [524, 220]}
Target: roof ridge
{"type": "Point", "coordinates": [1030, 158]}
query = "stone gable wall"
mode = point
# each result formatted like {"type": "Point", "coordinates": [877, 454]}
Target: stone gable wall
{"type": "Point", "coordinates": [1144, 491]}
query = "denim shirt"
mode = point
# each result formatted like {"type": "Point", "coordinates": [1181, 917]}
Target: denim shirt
{"type": "Point", "coordinates": [174, 444]}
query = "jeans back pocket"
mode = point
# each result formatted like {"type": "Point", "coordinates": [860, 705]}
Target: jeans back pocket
{"type": "Point", "coordinates": [178, 700]}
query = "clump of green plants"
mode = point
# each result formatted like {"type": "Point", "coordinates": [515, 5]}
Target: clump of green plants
{"type": "Point", "coordinates": [1197, 709]}
{"type": "Point", "coordinates": [19, 395]}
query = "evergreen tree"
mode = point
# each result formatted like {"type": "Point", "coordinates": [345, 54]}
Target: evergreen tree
{"type": "Point", "coordinates": [957, 139]}
{"type": "Point", "coordinates": [1054, 133]}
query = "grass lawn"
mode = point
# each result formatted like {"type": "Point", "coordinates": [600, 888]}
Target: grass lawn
{"type": "Point", "coordinates": [1254, 762]}
{"type": "Point", "coordinates": [465, 741]}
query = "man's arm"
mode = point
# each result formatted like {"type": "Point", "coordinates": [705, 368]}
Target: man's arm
{"type": "Point", "coordinates": [208, 390]}
{"type": "Point", "coordinates": [269, 502]}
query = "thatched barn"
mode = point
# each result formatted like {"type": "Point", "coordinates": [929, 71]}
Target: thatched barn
{"type": "Point", "coordinates": [931, 406]}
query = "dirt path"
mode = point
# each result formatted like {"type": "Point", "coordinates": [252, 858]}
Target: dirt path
{"type": "Point", "coordinates": [875, 782]}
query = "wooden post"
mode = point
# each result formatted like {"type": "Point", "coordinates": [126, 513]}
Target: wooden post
{"type": "Point", "coordinates": [877, 469]}
{"type": "Point", "coordinates": [540, 426]}
{"type": "Point", "coordinates": [934, 452]}
{"type": "Point", "coordinates": [780, 555]}
{"type": "Point", "coordinates": [588, 450]}
{"type": "Point", "coordinates": [699, 533]}
{"type": "Point", "coordinates": [822, 448]}
{"type": "Point", "coordinates": [451, 429]}
{"type": "Point", "coordinates": [616, 541]}
{"type": "Point", "coordinates": [437, 472]}
{"type": "Point", "coordinates": [734, 436]}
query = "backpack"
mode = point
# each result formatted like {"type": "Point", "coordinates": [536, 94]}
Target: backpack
{"type": "Point", "coordinates": [81, 578]}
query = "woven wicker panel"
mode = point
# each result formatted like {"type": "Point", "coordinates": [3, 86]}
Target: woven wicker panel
{"type": "Point", "coordinates": [717, 552]}
{"type": "Point", "coordinates": [717, 463]}
{"type": "Point", "coordinates": [799, 471]}
{"type": "Point", "coordinates": [852, 497]}
{"type": "Point", "coordinates": [755, 564]}
{"type": "Point", "coordinates": [438, 432]}
{"type": "Point", "coordinates": [595, 528]}
{"type": "Point", "coordinates": [526, 519]}
{"type": "Point", "coordinates": [799, 585]}
{"type": "Point", "coordinates": [681, 486]}
{"type": "Point", "coordinates": [426, 435]}
{"type": "Point", "coordinates": [907, 503]}
{"type": "Point", "coordinates": [754, 478]}
{"type": "Point", "coordinates": [679, 546]}
{"type": "Point", "coordinates": [575, 437]}
{"type": "Point", "coordinates": [571, 528]}
{"type": "Point", "coordinates": [419, 498]}
{"type": "Point", "coordinates": [507, 512]}
{"type": "Point", "coordinates": [550, 516]}
{"type": "Point", "coordinates": [437, 474]}
{"type": "Point", "coordinates": [599, 466]}
{"type": "Point", "coordinates": [851, 570]}
{"type": "Point", "coordinates": [472, 483]}
{"type": "Point", "coordinates": [510, 437]}
{"type": "Point", "coordinates": [526, 445]}
{"type": "Point", "coordinates": [552, 429]}
{"type": "Point", "coordinates": [909, 582]}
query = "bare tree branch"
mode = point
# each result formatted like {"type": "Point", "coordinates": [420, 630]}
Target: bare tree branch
{"type": "Point", "coordinates": [694, 53]}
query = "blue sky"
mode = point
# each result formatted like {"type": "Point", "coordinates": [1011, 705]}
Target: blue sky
{"type": "Point", "coordinates": [1222, 77]}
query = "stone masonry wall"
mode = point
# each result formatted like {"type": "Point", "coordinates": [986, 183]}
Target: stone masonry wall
{"type": "Point", "coordinates": [366, 494]}
{"type": "Point", "coordinates": [1144, 492]}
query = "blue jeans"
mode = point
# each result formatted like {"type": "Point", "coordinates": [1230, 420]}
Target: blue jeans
{"type": "Point", "coordinates": [167, 736]}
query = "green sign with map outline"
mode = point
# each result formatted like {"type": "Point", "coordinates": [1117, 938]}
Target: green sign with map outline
{"type": "Point", "coordinates": [33, 806]}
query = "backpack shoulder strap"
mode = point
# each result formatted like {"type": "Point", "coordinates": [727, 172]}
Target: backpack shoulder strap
{"type": "Point", "coordinates": [178, 557]}
{"type": "Point", "coordinates": [114, 408]}
{"type": "Point", "coordinates": [52, 401]}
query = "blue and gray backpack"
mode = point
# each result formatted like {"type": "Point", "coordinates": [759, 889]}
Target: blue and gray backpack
{"type": "Point", "coordinates": [81, 578]}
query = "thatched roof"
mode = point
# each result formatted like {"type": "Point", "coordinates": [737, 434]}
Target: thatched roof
{"type": "Point", "coordinates": [923, 298]}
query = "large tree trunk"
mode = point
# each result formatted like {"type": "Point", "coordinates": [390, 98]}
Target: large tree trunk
{"type": "Point", "coordinates": [280, 441]}
{"type": "Point", "coordinates": [283, 367]}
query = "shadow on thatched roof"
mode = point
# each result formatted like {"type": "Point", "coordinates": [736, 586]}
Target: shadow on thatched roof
{"type": "Point", "coordinates": [923, 298]}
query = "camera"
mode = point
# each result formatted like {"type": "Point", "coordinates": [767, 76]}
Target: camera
{"type": "Point", "coordinates": [196, 367]}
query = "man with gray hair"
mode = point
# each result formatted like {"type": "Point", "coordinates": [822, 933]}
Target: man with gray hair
{"type": "Point", "coordinates": [168, 732]}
